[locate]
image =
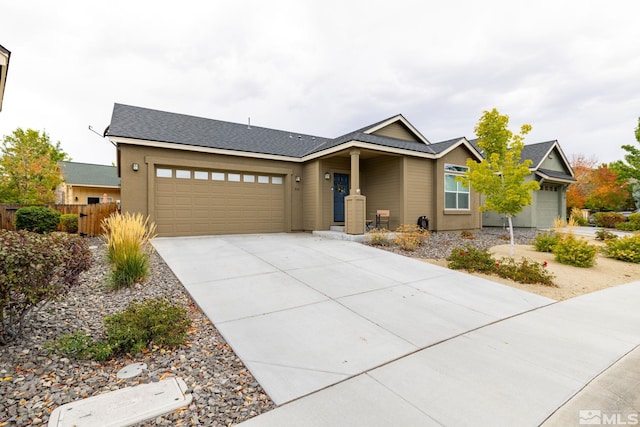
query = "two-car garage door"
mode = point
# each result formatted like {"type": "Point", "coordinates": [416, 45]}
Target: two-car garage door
{"type": "Point", "coordinates": [200, 201]}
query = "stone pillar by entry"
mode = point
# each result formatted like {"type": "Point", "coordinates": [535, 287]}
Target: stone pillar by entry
{"type": "Point", "coordinates": [355, 203]}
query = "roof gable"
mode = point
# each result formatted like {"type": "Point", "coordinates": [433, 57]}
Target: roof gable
{"type": "Point", "coordinates": [89, 174]}
{"type": "Point", "coordinates": [396, 127]}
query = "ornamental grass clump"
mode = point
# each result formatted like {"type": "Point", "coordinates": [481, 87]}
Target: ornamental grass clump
{"type": "Point", "coordinates": [378, 237]}
{"type": "Point", "coordinates": [128, 239]}
{"type": "Point", "coordinates": [410, 237]}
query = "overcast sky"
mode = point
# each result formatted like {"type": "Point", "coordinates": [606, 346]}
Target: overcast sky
{"type": "Point", "coordinates": [571, 69]}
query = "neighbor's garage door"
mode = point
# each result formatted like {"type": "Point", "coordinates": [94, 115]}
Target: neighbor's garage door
{"type": "Point", "coordinates": [197, 201]}
{"type": "Point", "coordinates": [547, 206]}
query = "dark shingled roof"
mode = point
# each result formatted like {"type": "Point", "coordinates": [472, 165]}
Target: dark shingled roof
{"type": "Point", "coordinates": [153, 125]}
{"type": "Point", "coordinates": [556, 174]}
{"type": "Point", "coordinates": [534, 152]}
{"type": "Point", "coordinates": [384, 141]}
{"type": "Point", "coordinates": [89, 174]}
{"type": "Point", "coordinates": [537, 152]}
{"type": "Point", "coordinates": [439, 147]}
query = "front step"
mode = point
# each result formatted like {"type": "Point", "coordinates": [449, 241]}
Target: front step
{"type": "Point", "coordinates": [339, 228]}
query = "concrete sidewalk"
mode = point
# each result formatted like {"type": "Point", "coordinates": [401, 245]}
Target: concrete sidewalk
{"type": "Point", "coordinates": [516, 372]}
{"type": "Point", "coordinates": [374, 338]}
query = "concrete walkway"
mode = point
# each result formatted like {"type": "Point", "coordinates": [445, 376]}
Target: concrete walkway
{"type": "Point", "coordinates": [374, 338]}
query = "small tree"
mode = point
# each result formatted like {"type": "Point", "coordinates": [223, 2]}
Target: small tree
{"type": "Point", "coordinates": [629, 172]}
{"type": "Point", "coordinates": [29, 170]}
{"type": "Point", "coordinates": [582, 171]}
{"type": "Point", "coordinates": [501, 175]}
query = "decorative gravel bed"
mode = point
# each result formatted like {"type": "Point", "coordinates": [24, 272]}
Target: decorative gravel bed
{"type": "Point", "coordinates": [439, 245]}
{"type": "Point", "coordinates": [33, 382]}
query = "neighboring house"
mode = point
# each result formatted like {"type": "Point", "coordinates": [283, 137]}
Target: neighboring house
{"type": "Point", "coordinates": [86, 184]}
{"type": "Point", "coordinates": [4, 69]}
{"type": "Point", "coordinates": [196, 176]}
{"type": "Point", "coordinates": [554, 174]}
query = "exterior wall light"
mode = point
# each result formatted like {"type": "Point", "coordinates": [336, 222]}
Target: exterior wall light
{"type": "Point", "coordinates": [297, 179]}
{"type": "Point", "coordinates": [135, 167]}
{"type": "Point", "coordinates": [327, 176]}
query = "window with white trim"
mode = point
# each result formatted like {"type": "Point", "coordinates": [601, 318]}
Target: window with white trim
{"type": "Point", "coordinates": [183, 174]}
{"type": "Point", "coordinates": [201, 175]}
{"type": "Point", "coordinates": [456, 195]}
{"type": "Point", "coordinates": [164, 173]}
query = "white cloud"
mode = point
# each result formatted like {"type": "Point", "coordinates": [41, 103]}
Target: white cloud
{"type": "Point", "coordinates": [568, 68]}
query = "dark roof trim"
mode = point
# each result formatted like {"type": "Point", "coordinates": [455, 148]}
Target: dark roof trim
{"type": "Point", "coordinates": [555, 176]}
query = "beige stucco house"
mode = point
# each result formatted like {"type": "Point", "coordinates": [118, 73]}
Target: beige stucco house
{"type": "Point", "coordinates": [196, 176]}
{"type": "Point", "coordinates": [86, 184]}
{"type": "Point", "coordinates": [5, 55]}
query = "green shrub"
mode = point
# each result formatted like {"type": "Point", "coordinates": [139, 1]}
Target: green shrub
{"type": "Point", "coordinates": [378, 237]}
{"type": "Point", "coordinates": [603, 234]}
{"type": "Point", "coordinates": [608, 219]}
{"type": "Point", "coordinates": [410, 237]}
{"type": "Point", "coordinates": [628, 226]}
{"type": "Point", "coordinates": [76, 344]}
{"type": "Point", "coordinates": [625, 248]}
{"type": "Point", "coordinates": [471, 259]}
{"type": "Point", "coordinates": [524, 271]}
{"type": "Point", "coordinates": [128, 242]}
{"type": "Point", "coordinates": [38, 219]}
{"type": "Point", "coordinates": [154, 321]}
{"type": "Point", "coordinates": [69, 223]}
{"type": "Point", "coordinates": [34, 269]}
{"type": "Point", "coordinates": [544, 242]}
{"type": "Point", "coordinates": [576, 252]}
{"type": "Point", "coordinates": [632, 225]}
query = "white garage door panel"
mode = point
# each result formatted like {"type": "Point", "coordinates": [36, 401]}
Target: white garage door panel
{"type": "Point", "coordinates": [197, 206]}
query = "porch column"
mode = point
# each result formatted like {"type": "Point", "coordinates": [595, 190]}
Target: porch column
{"type": "Point", "coordinates": [355, 173]}
{"type": "Point", "coordinates": [355, 203]}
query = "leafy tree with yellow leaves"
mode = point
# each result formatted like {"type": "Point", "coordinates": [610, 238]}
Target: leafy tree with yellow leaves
{"type": "Point", "coordinates": [501, 176]}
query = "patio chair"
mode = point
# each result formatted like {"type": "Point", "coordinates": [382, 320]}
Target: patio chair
{"type": "Point", "coordinates": [382, 217]}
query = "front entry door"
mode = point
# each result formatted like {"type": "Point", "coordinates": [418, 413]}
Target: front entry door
{"type": "Point", "coordinates": [340, 191]}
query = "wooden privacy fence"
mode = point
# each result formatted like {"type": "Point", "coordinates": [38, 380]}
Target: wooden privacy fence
{"type": "Point", "coordinates": [89, 216]}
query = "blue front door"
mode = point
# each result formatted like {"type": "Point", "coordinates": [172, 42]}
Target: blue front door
{"type": "Point", "coordinates": [340, 191]}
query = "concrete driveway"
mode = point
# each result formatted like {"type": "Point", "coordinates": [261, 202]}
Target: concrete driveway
{"type": "Point", "coordinates": [386, 340]}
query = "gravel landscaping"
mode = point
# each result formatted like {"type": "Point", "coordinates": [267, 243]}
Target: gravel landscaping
{"type": "Point", "coordinates": [439, 245]}
{"type": "Point", "coordinates": [33, 382]}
